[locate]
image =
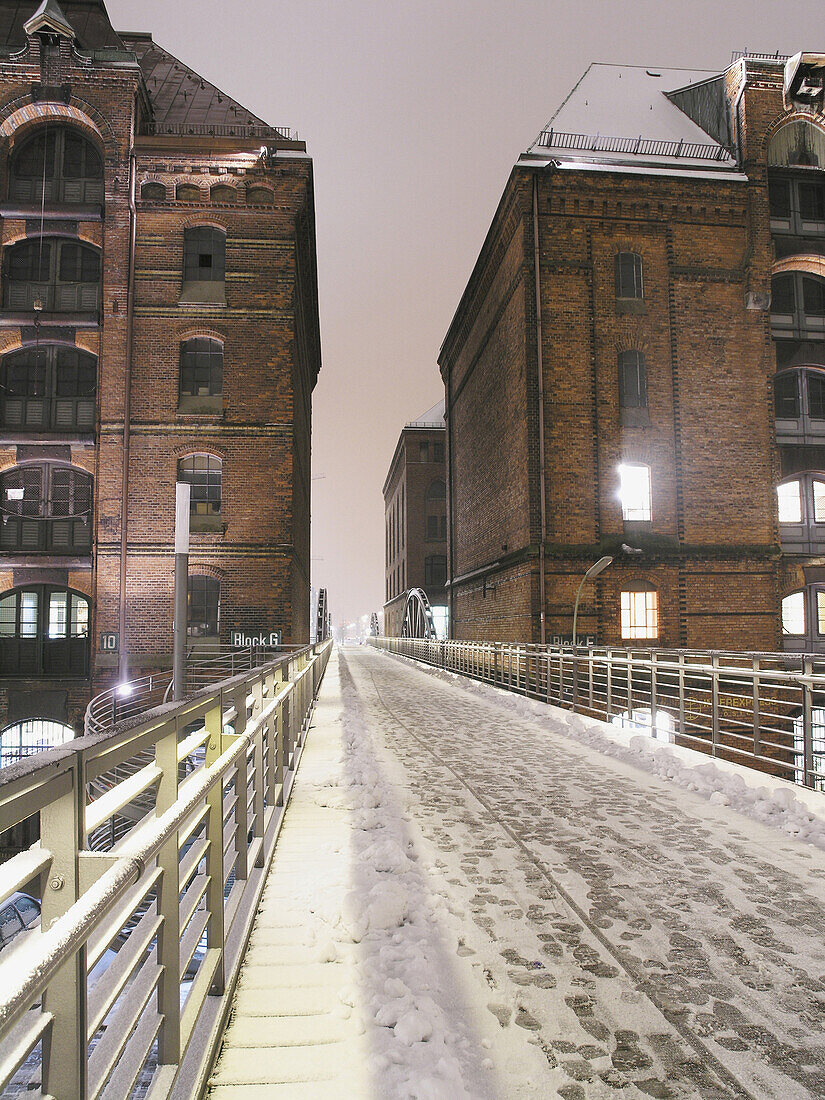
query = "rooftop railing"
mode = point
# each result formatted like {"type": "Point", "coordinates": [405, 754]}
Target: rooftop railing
{"type": "Point", "coordinates": [638, 146]}
{"type": "Point", "coordinates": [123, 988]}
{"type": "Point", "coordinates": [766, 711]}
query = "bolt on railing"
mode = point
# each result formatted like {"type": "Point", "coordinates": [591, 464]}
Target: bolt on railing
{"type": "Point", "coordinates": [128, 979]}
{"type": "Point", "coordinates": [764, 710]}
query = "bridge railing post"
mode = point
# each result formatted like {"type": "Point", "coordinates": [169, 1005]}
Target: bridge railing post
{"type": "Point", "coordinates": [216, 926]}
{"type": "Point", "coordinates": [714, 707]}
{"type": "Point", "coordinates": [807, 724]}
{"type": "Point", "coordinates": [168, 903]}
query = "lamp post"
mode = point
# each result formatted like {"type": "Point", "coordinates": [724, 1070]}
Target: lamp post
{"type": "Point", "coordinates": [593, 571]}
{"type": "Point", "coordinates": [182, 491]}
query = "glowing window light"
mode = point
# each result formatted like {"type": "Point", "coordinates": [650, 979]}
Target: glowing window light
{"type": "Point", "coordinates": [793, 614]}
{"type": "Point", "coordinates": [640, 613]}
{"type": "Point", "coordinates": [634, 491]}
{"type": "Point", "coordinates": [789, 498]}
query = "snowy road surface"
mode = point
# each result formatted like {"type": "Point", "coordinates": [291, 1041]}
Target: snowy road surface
{"type": "Point", "coordinates": [498, 911]}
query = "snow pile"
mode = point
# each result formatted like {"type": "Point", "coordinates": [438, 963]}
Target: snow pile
{"type": "Point", "coordinates": [795, 810]}
{"type": "Point", "coordinates": [402, 939]}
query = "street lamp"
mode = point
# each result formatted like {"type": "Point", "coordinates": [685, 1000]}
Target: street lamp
{"type": "Point", "coordinates": [593, 571]}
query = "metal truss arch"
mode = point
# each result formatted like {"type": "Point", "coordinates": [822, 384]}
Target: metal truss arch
{"type": "Point", "coordinates": [418, 616]}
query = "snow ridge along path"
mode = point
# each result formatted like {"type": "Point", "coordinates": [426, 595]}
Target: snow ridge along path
{"type": "Point", "coordinates": [513, 914]}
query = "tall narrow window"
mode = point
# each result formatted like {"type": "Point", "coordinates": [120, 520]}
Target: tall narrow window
{"type": "Point", "coordinates": [204, 606]}
{"type": "Point", "coordinates": [640, 612]}
{"type": "Point", "coordinates": [435, 570]}
{"type": "Point", "coordinates": [632, 380]}
{"type": "Point", "coordinates": [204, 472]}
{"type": "Point", "coordinates": [628, 273]}
{"type": "Point", "coordinates": [786, 395]}
{"type": "Point", "coordinates": [790, 502]}
{"type": "Point", "coordinates": [204, 255]}
{"type": "Point", "coordinates": [793, 614]}
{"type": "Point", "coordinates": [635, 492]}
{"type": "Point", "coordinates": [201, 367]}
{"type": "Point", "coordinates": [437, 491]}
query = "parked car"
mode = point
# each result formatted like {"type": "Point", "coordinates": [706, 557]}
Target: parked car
{"type": "Point", "coordinates": [18, 913]}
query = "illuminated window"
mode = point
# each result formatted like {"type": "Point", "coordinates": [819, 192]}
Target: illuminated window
{"type": "Point", "coordinates": [628, 272]}
{"type": "Point", "coordinates": [634, 491]}
{"type": "Point", "coordinates": [789, 497]}
{"type": "Point", "coordinates": [33, 735]}
{"type": "Point", "coordinates": [44, 631]}
{"type": "Point", "coordinates": [640, 613]}
{"type": "Point", "coordinates": [793, 614]}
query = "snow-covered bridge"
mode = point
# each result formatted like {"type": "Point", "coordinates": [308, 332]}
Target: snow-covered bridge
{"type": "Point", "coordinates": [475, 895]}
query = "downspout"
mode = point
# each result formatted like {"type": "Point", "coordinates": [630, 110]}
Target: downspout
{"type": "Point", "coordinates": [450, 540]}
{"type": "Point", "coordinates": [540, 368]}
{"type": "Point", "coordinates": [127, 408]}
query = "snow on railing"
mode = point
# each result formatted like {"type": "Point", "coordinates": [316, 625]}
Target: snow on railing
{"type": "Point", "coordinates": [600, 143]}
{"type": "Point", "coordinates": [132, 968]}
{"type": "Point", "coordinates": [763, 710]}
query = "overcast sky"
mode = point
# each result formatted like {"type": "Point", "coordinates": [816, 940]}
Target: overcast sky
{"type": "Point", "coordinates": [414, 113]}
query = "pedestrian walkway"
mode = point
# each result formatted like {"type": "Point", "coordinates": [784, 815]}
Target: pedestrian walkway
{"type": "Point", "coordinates": [467, 901]}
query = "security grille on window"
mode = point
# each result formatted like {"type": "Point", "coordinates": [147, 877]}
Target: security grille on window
{"type": "Point", "coordinates": [153, 192]}
{"type": "Point", "coordinates": [204, 474]}
{"type": "Point", "coordinates": [204, 255]}
{"type": "Point", "coordinates": [628, 272]}
{"type": "Point", "coordinates": [435, 570]}
{"type": "Point", "coordinates": [44, 631]}
{"type": "Point", "coordinates": [634, 491]}
{"type": "Point", "coordinates": [49, 388]}
{"type": "Point", "coordinates": [640, 613]}
{"type": "Point", "coordinates": [46, 508]}
{"type": "Point", "coordinates": [632, 380]}
{"type": "Point", "coordinates": [57, 164]}
{"type": "Point", "coordinates": [203, 606]}
{"type": "Point", "coordinates": [201, 367]}
{"type": "Point", "coordinates": [61, 275]}
{"type": "Point", "coordinates": [798, 306]}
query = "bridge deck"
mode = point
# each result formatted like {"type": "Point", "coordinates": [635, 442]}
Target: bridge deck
{"type": "Point", "coordinates": [551, 920]}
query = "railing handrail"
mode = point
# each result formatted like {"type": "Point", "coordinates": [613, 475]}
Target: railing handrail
{"type": "Point", "coordinates": [657, 147]}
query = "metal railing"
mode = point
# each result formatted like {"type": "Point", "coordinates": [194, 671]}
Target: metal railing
{"type": "Point", "coordinates": [764, 710]}
{"type": "Point", "coordinates": [600, 143]}
{"type": "Point", "coordinates": [124, 988]}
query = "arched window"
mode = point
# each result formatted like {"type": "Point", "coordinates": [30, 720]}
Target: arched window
{"type": "Point", "coordinates": [33, 735]}
{"type": "Point", "coordinates": [799, 404]}
{"type": "Point", "coordinates": [634, 491]}
{"type": "Point", "coordinates": [188, 192]}
{"type": "Point", "coordinates": [639, 611]}
{"type": "Point", "coordinates": [797, 144]}
{"type": "Point", "coordinates": [204, 472]}
{"type": "Point", "coordinates": [204, 599]}
{"type": "Point", "coordinates": [794, 618]}
{"type": "Point", "coordinates": [201, 367]}
{"type": "Point", "coordinates": [437, 491]}
{"type": "Point", "coordinates": [260, 196]}
{"type": "Point", "coordinates": [798, 306]}
{"type": "Point", "coordinates": [153, 192]}
{"type": "Point", "coordinates": [44, 631]}
{"type": "Point", "coordinates": [223, 193]}
{"type": "Point", "coordinates": [46, 508]}
{"type": "Point", "coordinates": [801, 513]}
{"type": "Point", "coordinates": [56, 164]}
{"type": "Point", "coordinates": [435, 570]}
{"type": "Point", "coordinates": [52, 274]}
{"type": "Point", "coordinates": [632, 380]}
{"type": "Point", "coordinates": [49, 388]}
{"type": "Point", "coordinates": [204, 255]}
{"type": "Point", "coordinates": [628, 275]}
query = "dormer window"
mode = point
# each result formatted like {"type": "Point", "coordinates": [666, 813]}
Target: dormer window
{"type": "Point", "coordinates": [56, 165]}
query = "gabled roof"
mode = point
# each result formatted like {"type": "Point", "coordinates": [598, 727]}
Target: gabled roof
{"type": "Point", "coordinates": [621, 114]}
{"type": "Point", "coordinates": [182, 101]}
{"type": "Point", "coordinates": [432, 418]}
{"type": "Point", "coordinates": [88, 19]}
{"type": "Point", "coordinates": [49, 17]}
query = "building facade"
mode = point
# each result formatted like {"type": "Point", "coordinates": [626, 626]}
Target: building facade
{"type": "Point", "coordinates": [415, 521]}
{"type": "Point", "coordinates": [618, 382]}
{"type": "Point", "coordinates": [159, 323]}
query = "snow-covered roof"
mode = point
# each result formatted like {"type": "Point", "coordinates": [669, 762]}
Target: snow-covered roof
{"type": "Point", "coordinates": [433, 417]}
{"type": "Point", "coordinates": [621, 115]}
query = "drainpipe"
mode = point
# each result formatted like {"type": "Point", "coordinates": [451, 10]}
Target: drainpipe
{"type": "Point", "coordinates": [540, 367]}
{"type": "Point", "coordinates": [127, 411]}
{"type": "Point", "coordinates": [450, 543]}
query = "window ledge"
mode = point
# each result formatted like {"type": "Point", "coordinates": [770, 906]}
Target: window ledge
{"type": "Point", "coordinates": [53, 211]}
{"type": "Point", "coordinates": [631, 305]}
{"type": "Point", "coordinates": [634, 417]}
{"type": "Point", "coordinates": [11, 438]}
{"type": "Point", "coordinates": [14, 318]}
{"type": "Point", "coordinates": [36, 560]}
{"type": "Point", "coordinates": [202, 293]}
{"type": "Point", "coordinates": [209, 405]}
{"type": "Point", "coordinates": [207, 525]}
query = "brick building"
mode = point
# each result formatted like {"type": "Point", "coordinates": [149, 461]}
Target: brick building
{"type": "Point", "coordinates": [617, 377]}
{"type": "Point", "coordinates": [415, 524]}
{"type": "Point", "coordinates": [159, 322]}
